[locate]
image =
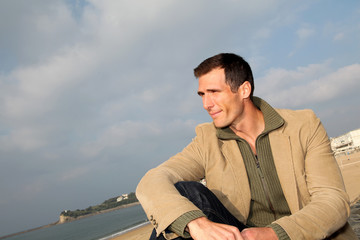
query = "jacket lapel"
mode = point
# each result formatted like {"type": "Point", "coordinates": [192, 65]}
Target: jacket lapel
{"type": "Point", "coordinates": [233, 156]}
{"type": "Point", "coordinates": [281, 150]}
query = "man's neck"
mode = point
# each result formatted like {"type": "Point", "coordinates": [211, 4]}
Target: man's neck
{"type": "Point", "coordinates": [251, 125]}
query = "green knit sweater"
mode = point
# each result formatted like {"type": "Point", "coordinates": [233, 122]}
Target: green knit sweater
{"type": "Point", "coordinates": [268, 202]}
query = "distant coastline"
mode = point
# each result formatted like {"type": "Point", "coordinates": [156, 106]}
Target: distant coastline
{"type": "Point", "coordinates": [72, 219]}
{"type": "Point", "coordinates": [111, 203]}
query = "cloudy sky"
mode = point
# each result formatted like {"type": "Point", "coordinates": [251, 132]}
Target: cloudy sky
{"type": "Point", "coordinates": [94, 93]}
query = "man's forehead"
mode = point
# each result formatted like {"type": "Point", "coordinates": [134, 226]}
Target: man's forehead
{"type": "Point", "coordinates": [212, 82]}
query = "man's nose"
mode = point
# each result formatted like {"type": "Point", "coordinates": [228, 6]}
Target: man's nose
{"type": "Point", "coordinates": [207, 102]}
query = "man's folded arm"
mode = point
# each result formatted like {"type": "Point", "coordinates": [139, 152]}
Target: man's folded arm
{"type": "Point", "coordinates": [179, 225]}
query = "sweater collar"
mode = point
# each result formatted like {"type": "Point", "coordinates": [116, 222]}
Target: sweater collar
{"type": "Point", "coordinates": [271, 117]}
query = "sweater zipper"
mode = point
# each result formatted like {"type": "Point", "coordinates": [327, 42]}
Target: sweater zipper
{"type": "Point", "coordinates": [265, 186]}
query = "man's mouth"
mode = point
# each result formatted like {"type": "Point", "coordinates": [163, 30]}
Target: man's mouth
{"type": "Point", "coordinates": [214, 114]}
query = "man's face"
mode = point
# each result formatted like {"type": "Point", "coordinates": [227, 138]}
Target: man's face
{"type": "Point", "coordinates": [224, 106]}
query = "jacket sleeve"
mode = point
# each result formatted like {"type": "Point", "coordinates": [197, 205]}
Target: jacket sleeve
{"type": "Point", "coordinates": [326, 204]}
{"type": "Point", "coordinates": [156, 192]}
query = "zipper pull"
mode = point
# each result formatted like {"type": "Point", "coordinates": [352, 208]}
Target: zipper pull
{"type": "Point", "coordinates": [257, 162]}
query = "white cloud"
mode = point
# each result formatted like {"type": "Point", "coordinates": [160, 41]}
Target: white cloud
{"type": "Point", "coordinates": [30, 33]}
{"type": "Point", "coordinates": [32, 90]}
{"type": "Point", "coordinates": [311, 84]}
{"type": "Point", "coordinates": [33, 98]}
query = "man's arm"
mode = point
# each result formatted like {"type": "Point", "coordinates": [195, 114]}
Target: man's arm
{"type": "Point", "coordinates": [156, 191]}
{"type": "Point", "coordinates": [320, 184]}
{"type": "Point", "coordinates": [202, 228]}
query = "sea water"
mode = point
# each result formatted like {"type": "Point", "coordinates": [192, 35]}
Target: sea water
{"type": "Point", "coordinates": [96, 227]}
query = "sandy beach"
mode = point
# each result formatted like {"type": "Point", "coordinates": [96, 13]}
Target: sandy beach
{"type": "Point", "coordinates": [141, 233]}
{"type": "Point", "coordinates": [350, 168]}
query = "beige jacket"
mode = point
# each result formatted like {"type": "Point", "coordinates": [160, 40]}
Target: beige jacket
{"type": "Point", "coordinates": [307, 170]}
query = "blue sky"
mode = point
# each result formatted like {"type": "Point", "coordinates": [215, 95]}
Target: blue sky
{"type": "Point", "coordinates": [95, 93]}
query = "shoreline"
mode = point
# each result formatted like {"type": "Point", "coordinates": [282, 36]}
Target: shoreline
{"type": "Point", "coordinates": [138, 233]}
{"type": "Point", "coordinates": [130, 230]}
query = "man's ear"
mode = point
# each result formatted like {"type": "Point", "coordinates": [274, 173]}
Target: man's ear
{"type": "Point", "coordinates": [245, 89]}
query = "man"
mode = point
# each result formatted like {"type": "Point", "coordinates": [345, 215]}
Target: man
{"type": "Point", "coordinates": [270, 173]}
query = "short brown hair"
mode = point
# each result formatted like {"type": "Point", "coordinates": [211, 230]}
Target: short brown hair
{"type": "Point", "coordinates": [237, 70]}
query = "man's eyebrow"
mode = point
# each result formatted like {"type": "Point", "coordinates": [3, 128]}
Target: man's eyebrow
{"type": "Point", "coordinates": [208, 90]}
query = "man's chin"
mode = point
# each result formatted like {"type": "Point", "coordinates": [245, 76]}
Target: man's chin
{"type": "Point", "coordinates": [219, 125]}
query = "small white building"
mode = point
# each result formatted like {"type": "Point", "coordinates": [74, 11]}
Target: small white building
{"type": "Point", "coordinates": [122, 197]}
{"type": "Point", "coordinates": [346, 143]}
